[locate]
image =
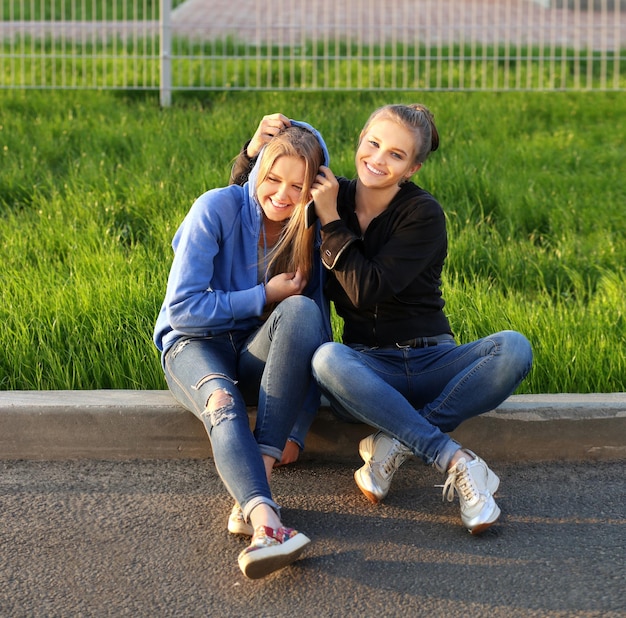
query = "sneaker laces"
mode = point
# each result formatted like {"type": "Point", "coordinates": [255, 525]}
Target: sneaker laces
{"type": "Point", "coordinates": [460, 479]}
{"type": "Point", "coordinates": [388, 464]}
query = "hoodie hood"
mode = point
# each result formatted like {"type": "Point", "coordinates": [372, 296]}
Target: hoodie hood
{"type": "Point", "coordinates": [255, 170]}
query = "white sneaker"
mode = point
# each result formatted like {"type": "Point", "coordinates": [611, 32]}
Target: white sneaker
{"type": "Point", "coordinates": [237, 524]}
{"type": "Point", "coordinates": [271, 549]}
{"type": "Point", "coordinates": [382, 455]}
{"type": "Point", "coordinates": [475, 484]}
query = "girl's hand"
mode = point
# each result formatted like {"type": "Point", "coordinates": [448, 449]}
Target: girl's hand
{"type": "Point", "coordinates": [324, 193]}
{"type": "Point", "coordinates": [281, 286]}
{"type": "Point", "coordinates": [291, 452]}
{"type": "Point", "coordinates": [269, 127]}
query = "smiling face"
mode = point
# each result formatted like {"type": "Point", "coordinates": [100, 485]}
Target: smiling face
{"type": "Point", "coordinates": [281, 190]}
{"type": "Point", "coordinates": [386, 154]}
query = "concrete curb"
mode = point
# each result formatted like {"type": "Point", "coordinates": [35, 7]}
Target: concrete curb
{"type": "Point", "coordinates": [127, 424]}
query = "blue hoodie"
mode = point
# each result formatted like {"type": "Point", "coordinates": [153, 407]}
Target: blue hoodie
{"type": "Point", "coordinates": [213, 286]}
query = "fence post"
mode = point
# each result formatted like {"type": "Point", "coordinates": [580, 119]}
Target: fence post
{"type": "Point", "coordinates": [165, 38]}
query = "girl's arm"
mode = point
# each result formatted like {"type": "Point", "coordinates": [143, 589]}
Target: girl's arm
{"type": "Point", "coordinates": [413, 243]}
{"type": "Point", "coordinates": [199, 299]}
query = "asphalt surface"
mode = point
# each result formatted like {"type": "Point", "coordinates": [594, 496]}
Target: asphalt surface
{"type": "Point", "coordinates": [148, 538]}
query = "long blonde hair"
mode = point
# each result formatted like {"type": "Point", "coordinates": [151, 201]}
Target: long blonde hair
{"type": "Point", "coordinates": [294, 249]}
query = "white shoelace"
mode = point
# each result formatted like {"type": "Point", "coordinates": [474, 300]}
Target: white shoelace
{"type": "Point", "coordinates": [388, 464]}
{"type": "Point", "coordinates": [460, 479]}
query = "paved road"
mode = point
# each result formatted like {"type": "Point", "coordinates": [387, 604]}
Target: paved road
{"type": "Point", "coordinates": [90, 538]}
{"type": "Point", "coordinates": [430, 22]}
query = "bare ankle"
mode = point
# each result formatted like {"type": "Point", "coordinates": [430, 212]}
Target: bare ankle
{"type": "Point", "coordinates": [264, 515]}
{"type": "Point", "coordinates": [460, 454]}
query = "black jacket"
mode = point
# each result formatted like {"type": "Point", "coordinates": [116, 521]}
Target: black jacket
{"type": "Point", "coordinates": [386, 284]}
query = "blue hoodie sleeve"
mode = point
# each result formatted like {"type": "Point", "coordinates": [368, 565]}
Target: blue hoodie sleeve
{"type": "Point", "coordinates": [206, 293]}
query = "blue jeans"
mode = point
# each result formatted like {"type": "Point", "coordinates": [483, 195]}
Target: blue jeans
{"type": "Point", "coordinates": [270, 367]}
{"type": "Point", "coordinates": [417, 395]}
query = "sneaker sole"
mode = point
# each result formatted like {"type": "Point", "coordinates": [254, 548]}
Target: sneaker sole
{"type": "Point", "coordinates": [493, 518]}
{"type": "Point", "coordinates": [261, 562]}
{"type": "Point", "coordinates": [373, 498]}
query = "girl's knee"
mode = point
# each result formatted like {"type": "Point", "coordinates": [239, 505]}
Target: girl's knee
{"type": "Point", "coordinates": [325, 359]}
{"type": "Point", "coordinates": [517, 341]}
{"type": "Point", "coordinates": [299, 311]}
{"type": "Point", "coordinates": [220, 407]}
{"type": "Point", "coordinates": [301, 318]}
{"type": "Point", "coordinates": [298, 306]}
{"type": "Point", "coordinates": [517, 347]}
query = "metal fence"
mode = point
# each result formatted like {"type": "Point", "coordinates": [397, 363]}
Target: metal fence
{"type": "Point", "coordinates": [323, 45]}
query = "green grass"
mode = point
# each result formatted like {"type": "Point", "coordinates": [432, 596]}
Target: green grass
{"type": "Point", "coordinates": [94, 185]}
{"type": "Point", "coordinates": [231, 65]}
{"type": "Point", "coordinates": [85, 10]}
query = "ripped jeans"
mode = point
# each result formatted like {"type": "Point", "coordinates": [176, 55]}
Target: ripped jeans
{"type": "Point", "coordinates": [270, 367]}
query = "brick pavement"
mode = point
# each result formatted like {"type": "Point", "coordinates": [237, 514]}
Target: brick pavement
{"type": "Point", "coordinates": [430, 22]}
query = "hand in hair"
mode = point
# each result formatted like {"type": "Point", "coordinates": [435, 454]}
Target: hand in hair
{"type": "Point", "coordinates": [324, 191]}
{"type": "Point", "coordinates": [269, 127]}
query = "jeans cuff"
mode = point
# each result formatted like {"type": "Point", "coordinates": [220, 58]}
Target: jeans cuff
{"type": "Point", "coordinates": [442, 461]}
{"type": "Point", "coordinates": [271, 451]}
{"type": "Point", "coordinates": [250, 506]}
